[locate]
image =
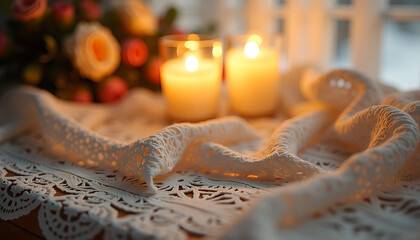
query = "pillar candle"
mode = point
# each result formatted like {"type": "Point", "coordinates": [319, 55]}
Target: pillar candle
{"type": "Point", "coordinates": [252, 77]}
{"type": "Point", "coordinates": [191, 88]}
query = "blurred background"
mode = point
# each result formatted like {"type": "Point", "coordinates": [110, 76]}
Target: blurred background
{"type": "Point", "coordinates": [380, 37]}
{"type": "Point", "coordinates": [396, 41]}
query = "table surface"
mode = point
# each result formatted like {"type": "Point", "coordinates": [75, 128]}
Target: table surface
{"type": "Point", "coordinates": [95, 202]}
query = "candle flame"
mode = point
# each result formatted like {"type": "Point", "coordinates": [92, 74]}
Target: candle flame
{"type": "Point", "coordinates": [251, 49]}
{"type": "Point", "coordinates": [191, 63]}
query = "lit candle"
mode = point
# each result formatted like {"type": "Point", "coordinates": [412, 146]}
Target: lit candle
{"type": "Point", "coordinates": [191, 84]}
{"type": "Point", "coordinates": [252, 77]}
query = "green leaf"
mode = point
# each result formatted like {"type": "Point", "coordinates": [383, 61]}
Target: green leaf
{"type": "Point", "coordinates": [170, 16]}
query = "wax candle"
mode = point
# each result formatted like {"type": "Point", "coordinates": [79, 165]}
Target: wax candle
{"type": "Point", "coordinates": [191, 87]}
{"type": "Point", "coordinates": [252, 77]}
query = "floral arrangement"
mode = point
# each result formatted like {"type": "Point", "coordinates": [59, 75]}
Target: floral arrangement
{"type": "Point", "coordinates": [82, 50]}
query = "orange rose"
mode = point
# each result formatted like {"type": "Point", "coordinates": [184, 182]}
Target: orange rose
{"type": "Point", "coordinates": [93, 50]}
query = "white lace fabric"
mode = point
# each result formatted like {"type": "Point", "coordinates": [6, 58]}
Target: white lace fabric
{"type": "Point", "coordinates": [119, 170]}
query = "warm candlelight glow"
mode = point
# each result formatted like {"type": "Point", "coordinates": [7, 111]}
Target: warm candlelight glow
{"type": "Point", "coordinates": [191, 63]}
{"type": "Point", "coordinates": [191, 77]}
{"type": "Point", "coordinates": [255, 38]}
{"type": "Point", "coordinates": [193, 37]}
{"type": "Point", "coordinates": [252, 74]}
{"type": "Point", "coordinates": [251, 49]}
{"type": "Point", "coordinates": [217, 49]}
{"type": "Point", "coordinates": [191, 45]}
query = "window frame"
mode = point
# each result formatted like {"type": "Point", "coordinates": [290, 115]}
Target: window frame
{"type": "Point", "coordinates": [310, 30]}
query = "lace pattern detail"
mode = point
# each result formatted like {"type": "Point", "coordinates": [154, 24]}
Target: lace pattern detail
{"type": "Point", "coordinates": [77, 202]}
{"type": "Point", "coordinates": [181, 207]}
{"type": "Point", "coordinates": [87, 175]}
{"type": "Point", "coordinates": [144, 158]}
{"type": "Point", "coordinates": [387, 135]}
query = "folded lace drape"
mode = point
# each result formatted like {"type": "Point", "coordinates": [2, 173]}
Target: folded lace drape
{"type": "Point", "coordinates": [343, 106]}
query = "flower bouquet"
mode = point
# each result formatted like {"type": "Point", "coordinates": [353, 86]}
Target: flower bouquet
{"type": "Point", "coordinates": [83, 50]}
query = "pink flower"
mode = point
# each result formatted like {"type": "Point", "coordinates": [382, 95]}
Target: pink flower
{"type": "Point", "coordinates": [82, 96]}
{"type": "Point", "coordinates": [90, 10]}
{"type": "Point", "coordinates": [26, 10]}
{"type": "Point", "coordinates": [134, 52]}
{"type": "Point", "coordinates": [3, 42]}
{"type": "Point", "coordinates": [112, 90]}
{"type": "Point", "coordinates": [63, 11]}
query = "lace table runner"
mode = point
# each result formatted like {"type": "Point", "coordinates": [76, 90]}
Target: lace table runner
{"type": "Point", "coordinates": [118, 170]}
{"type": "Point", "coordinates": [78, 202]}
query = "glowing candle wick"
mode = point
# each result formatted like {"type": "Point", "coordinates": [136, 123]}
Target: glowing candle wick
{"type": "Point", "coordinates": [251, 49]}
{"type": "Point", "coordinates": [191, 63]}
